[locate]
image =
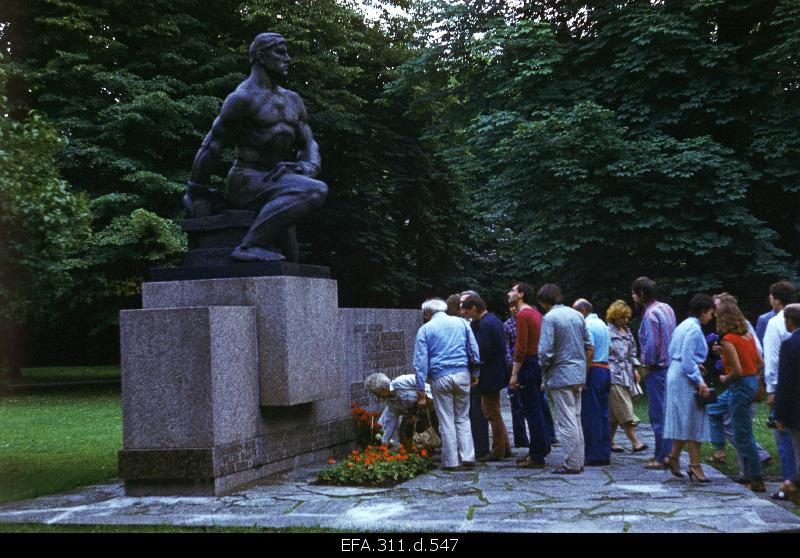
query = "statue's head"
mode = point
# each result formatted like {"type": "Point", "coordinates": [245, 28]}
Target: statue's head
{"type": "Point", "coordinates": [269, 51]}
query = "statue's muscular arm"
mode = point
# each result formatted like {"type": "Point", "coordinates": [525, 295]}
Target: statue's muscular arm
{"type": "Point", "coordinates": [223, 133]}
{"type": "Point", "coordinates": [308, 149]}
{"type": "Point", "coordinates": [201, 200]}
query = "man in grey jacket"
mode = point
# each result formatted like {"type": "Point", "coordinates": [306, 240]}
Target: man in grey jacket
{"type": "Point", "coordinates": [564, 349]}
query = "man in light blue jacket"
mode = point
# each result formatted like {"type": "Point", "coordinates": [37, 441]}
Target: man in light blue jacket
{"type": "Point", "coordinates": [443, 349]}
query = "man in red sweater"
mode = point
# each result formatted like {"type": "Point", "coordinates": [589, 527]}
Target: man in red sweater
{"type": "Point", "coordinates": [526, 375]}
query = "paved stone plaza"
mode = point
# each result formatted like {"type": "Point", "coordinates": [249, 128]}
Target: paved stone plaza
{"type": "Point", "coordinates": [495, 497]}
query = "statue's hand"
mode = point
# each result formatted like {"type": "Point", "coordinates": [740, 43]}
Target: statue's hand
{"type": "Point", "coordinates": [199, 201]}
{"type": "Point", "coordinates": [307, 169]}
{"type": "Point", "coordinates": [281, 169]}
{"type": "Point", "coordinates": [196, 207]}
{"type": "Point", "coordinates": [300, 167]}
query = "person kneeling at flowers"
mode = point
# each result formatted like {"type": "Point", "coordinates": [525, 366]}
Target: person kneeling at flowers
{"type": "Point", "coordinates": [401, 404]}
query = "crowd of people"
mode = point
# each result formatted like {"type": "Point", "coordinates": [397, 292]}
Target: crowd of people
{"type": "Point", "coordinates": [547, 354]}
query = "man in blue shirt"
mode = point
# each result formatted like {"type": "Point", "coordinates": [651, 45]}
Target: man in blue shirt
{"type": "Point", "coordinates": [594, 399]}
{"type": "Point", "coordinates": [655, 335]}
{"type": "Point", "coordinates": [443, 349]}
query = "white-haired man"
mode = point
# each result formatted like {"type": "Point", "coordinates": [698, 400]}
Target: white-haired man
{"type": "Point", "coordinates": [401, 404]}
{"type": "Point", "coordinates": [443, 349]}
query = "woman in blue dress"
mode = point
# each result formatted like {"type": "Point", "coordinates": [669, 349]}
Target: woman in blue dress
{"type": "Point", "coordinates": [685, 421]}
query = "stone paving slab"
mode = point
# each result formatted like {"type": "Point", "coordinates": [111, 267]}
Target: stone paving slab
{"type": "Point", "coordinates": [495, 497]}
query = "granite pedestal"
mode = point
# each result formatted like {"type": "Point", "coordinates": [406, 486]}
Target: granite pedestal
{"type": "Point", "coordinates": [228, 380]}
{"type": "Point", "coordinates": [189, 397]}
{"type": "Point", "coordinates": [296, 324]}
{"type": "Point", "coordinates": [231, 379]}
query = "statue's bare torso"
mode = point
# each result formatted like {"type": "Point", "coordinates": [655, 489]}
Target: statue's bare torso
{"type": "Point", "coordinates": [277, 158]}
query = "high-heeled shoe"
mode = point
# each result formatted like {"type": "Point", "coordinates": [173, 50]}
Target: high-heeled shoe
{"type": "Point", "coordinates": [673, 465]}
{"type": "Point", "coordinates": [692, 471]}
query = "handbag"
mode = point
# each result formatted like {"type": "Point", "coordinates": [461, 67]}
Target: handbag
{"type": "Point", "coordinates": [710, 398]}
{"type": "Point", "coordinates": [428, 438]}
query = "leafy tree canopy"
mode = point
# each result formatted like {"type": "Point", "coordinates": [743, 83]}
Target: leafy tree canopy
{"type": "Point", "coordinates": [601, 141]}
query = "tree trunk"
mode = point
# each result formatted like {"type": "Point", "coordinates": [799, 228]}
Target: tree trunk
{"type": "Point", "coordinates": [11, 351]}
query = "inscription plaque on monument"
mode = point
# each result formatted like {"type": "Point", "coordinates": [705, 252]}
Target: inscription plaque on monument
{"type": "Point", "coordinates": [383, 351]}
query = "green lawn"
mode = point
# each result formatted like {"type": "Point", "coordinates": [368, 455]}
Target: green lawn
{"type": "Point", "coordinates": [51, 441]}
{"type": "Point", "coordinates": [68, 374]}
{"type": "Point", "coordinates": [763, 435]}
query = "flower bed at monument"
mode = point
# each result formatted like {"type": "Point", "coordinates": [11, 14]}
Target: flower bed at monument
{"type": "Point", "coordinates": [377, 466]}
{"type": "Point", "coordinates": [366, 426]}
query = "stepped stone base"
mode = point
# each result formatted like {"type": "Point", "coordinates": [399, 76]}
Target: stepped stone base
{"type": "Point", "coordinates": [235, 270]}
{"type": "Point", "coordinates": [220, 470]}
{"type": "Point", "coordinates": [225, 381]}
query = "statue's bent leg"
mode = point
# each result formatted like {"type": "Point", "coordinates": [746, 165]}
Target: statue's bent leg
{"type": "Point", "coordinates": [293, 196]}
{"type": "Point", "coordinates": [289, 244]}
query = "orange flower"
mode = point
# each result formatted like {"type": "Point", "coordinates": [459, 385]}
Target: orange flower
{"type": "Point", "coordinates": [331, 461]}
{"type": "Point", "coordinates": [355, 452]}
{"type": "Point", "coordinates": [349, 464]}
{"type": "Point", "coordinates": [424, 453]}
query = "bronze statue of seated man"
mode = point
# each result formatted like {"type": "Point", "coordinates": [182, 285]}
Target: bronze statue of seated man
{"type": "Point", "coordinates": [277, 158]}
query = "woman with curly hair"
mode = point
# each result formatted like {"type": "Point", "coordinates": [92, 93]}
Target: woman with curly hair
{"type": "Point", "coordinates": [623, 376]}
{"type": "Point", "coordinates": [741, 362]}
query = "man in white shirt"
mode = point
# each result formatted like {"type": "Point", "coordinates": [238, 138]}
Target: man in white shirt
{"type": "Point", "coordinates": [401, 402]}
{"type": "Point", "coordinates": [781, 294]}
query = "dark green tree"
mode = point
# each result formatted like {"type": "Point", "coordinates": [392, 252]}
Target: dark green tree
{"type": "Point", "coordinates": [134, 86]}
{"type": "Point", "coordinates": [601, 141]}
{"type": "Point", "coordinates": [42, 226]}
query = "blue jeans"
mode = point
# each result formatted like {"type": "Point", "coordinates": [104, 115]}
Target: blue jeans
{"type": "Point", "coordinates": [786, 453]}
{"type": "Point", "coordinates": [530, 380]}
{"type": "Point", "coordinates": [736, 400]}
{"type": "Point", "coordinates": [518, 420]}
{"type": "Point", "coordinates": [655, 383]}
{"type": "Point", "coordinates": [594, 416]}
